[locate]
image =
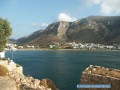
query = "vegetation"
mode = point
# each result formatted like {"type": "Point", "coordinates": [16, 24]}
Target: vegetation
{"type": "Point", "coordinates": [3, 59]}
{"type": "Point", "coordinates": [5, 32]}
{"type": "Point", "coordinates": [17, 65]}
{"type": "Point", "coordinates": [3, 70]}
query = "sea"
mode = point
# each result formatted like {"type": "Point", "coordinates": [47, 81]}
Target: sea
{"type": "Point", "coordinates": [63, 67]}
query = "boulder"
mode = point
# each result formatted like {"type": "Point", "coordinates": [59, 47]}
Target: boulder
{"type": "Point", "coordinates": [48, 84]}
{"type": "Point", "coordinates": [7, 83]}
{"type": "Point", "coordinates": [3, 70]}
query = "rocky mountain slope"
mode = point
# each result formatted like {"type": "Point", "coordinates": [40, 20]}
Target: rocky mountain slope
{"type": "Point", "coordinates": [93, 29]}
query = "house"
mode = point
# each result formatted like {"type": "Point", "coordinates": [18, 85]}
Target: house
{"type": "Point", "coordinates": [2, 54]}
{"type": "Point", "coordinates": [52, 46]}
{"type": "Point", "coordinates": [28, 46]}
{"type": "Point", "coordinates": [20, 47]}
{"type": "Point", "coordinates": [11, 46]}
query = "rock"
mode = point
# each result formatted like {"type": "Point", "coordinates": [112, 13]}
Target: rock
{"type": "Point", "coordinates": [25, 87]}
{"type": "Point", "coordinates": [94, 69]}
{"type": "Point", "coordinates": [23, 80]}
{"type": "Point", "coordinates": [37, 82]}
{"type": "Point", "coordinates": [16, 80]}
{"type": "Point", "coordinates": [48, 84]}
{"type": "Point", "coordinates": [101, 75]}
{"type": "Point", "coordinates": [3, 71]}
{"type": "Point", "coordinates": [7, 83]}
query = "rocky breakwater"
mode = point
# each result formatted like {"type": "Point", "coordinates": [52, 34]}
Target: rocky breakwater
{"type": "Point", "coordinates": [101, 75]}
{"type": "Point", "coordinates": [12, 78]}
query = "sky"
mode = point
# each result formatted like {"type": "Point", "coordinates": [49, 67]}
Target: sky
{"type": "Point", "coordinates": [27, 16]}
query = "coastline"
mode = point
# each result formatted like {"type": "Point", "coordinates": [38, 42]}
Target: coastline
{"type": "Point", "coordinates": [27, 49]}
{"type": "Point", "coordinates": [12, 73]}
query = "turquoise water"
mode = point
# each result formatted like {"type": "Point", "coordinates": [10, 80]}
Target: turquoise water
{"type": "Point", "coordinates": [63, 67]}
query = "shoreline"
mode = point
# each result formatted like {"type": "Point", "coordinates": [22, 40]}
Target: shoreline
{"type": "Point", "coordinates": [63, 49]}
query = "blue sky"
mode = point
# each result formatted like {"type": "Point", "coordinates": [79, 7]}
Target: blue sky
{"type": "Point", "coordinates": [27, 16]}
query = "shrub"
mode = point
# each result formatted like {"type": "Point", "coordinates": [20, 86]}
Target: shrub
{"type": "Point", "coordinates": [17, 65]}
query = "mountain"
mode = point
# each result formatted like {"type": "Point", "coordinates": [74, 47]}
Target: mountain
{"type": "Point", "coordinates": [55, 32]}
{"type": "Point", "coordinates": [12, 41]}
{"type": "Point", "coordinates": [30, 37]}
{"type": "Point", "coordinates": [93, 29]}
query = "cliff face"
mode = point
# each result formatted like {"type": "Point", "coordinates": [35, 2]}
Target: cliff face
{"type": "Point", "coordinates": [61, 34]}
{"type": "Point", "coordinates": [101, 75]}
{"type": "Point", "coordinates": [12, 78]}
{"type": "Point", "coordinates": [93, 29]}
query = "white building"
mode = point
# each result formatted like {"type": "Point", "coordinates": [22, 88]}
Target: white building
{"type": "Point", "coordinates": [11, 46]}
{"type": "Point", "coordinates": [20, 47]}
{"type": "Point", "coordinates": [28, 46]}
{"type": "Point", "coordinates": [2, 54]}
{"type": "Point", "coordinates": [52, 46]}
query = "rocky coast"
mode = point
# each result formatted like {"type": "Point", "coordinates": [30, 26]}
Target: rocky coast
{"type": "Point", "coordinates": [12, 78]}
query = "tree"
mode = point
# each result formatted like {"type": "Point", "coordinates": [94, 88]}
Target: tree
{"type": "Point", "coordinates": [5, 32]}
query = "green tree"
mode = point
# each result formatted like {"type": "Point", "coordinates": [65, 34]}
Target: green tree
{"type": "Point", "coordinates": [5, 32]}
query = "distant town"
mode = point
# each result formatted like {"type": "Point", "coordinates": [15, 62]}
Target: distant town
{"type": "Point", "coordinates": [72, 45]}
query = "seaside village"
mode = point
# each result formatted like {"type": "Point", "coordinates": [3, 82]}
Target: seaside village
{"type": "Point", "coordinates": [89, 46]}
{"type": "Point", "coordinates": [71, 45]}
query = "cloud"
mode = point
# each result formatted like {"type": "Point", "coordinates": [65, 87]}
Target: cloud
{"type": "Point", "coordinates": [35, 24]}
{"type": "Point", "coordinates": [107, 7]}
{"type": "Point", "coordinates": [65, 17]}
{"type": "Point", "coordinates": [40, 25]}
{"type": "Point", "coordinates": [44, 25]}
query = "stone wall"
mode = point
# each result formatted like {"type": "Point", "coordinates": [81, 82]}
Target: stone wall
{"type": "Point", "coordinates": [101, 75]}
